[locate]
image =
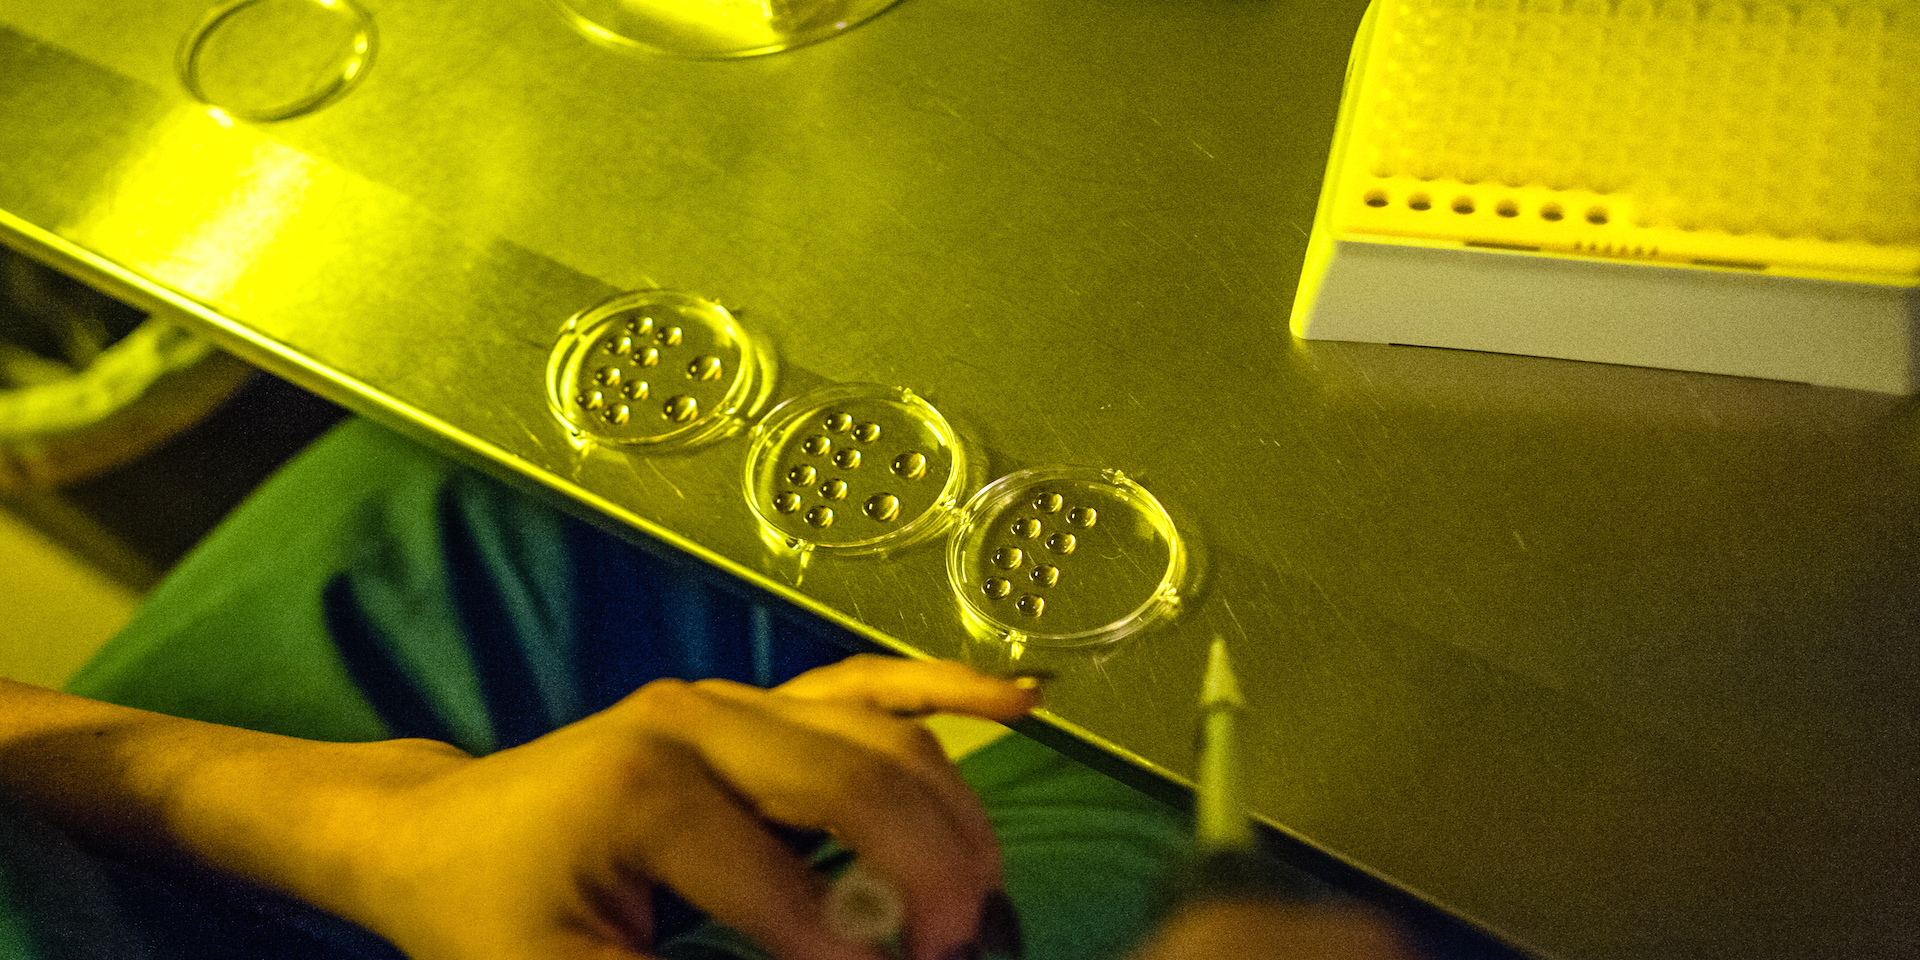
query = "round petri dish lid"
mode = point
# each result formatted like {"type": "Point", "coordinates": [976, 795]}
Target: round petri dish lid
{"type": "Point", "coordinates": [655, 370]}
{"type": "Point", "coordinates": [1065, 557]}
{"type": "Point", "coordinates": [263, 60]}
{"type": "Point", "coordinates": [715, 29]}
{"type": "Point", "coordinates": [856, 468]}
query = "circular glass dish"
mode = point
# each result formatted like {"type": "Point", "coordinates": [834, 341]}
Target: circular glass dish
{"type": "Point", "coordinates": [856, 468]}
{"type": "Point", "coordinates": [1065, 557]}
{"type": "Point", "coordinates": [263, 60]}
{"type": "Point", "coordinates": [655, 370]}
{"type": "Point", "coordinates": [715, 29]}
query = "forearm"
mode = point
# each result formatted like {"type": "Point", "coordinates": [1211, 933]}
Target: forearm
{"type": "Point", "coordinates": [291, 814]}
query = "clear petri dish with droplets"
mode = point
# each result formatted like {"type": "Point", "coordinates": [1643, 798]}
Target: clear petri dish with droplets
{"type": "Point", "coordinates": [654, 371]}
{"type": "Point", "coordinates": [715, 29]}
{"type": "Point", "coordinates": [266, 60]}
{"type": "Point", "coordinates": [855, 468]}
{"type": "Point", "coordinates": [1065, 557]}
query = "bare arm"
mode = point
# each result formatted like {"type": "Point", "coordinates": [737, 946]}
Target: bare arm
{"type": "Point", "coordinates": [550, 849]}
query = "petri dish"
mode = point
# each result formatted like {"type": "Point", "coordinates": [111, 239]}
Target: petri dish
{"type": "Point", "coordinates": [654, 371]}
{"type": "Point", "coordinates": [265, 60]}
{"type": "Point", "coordinates": [1065, 557]}
{"type": "Point", "coordinates": [855, 468]}
{"type": "Point", "coordinates": [715, 29]}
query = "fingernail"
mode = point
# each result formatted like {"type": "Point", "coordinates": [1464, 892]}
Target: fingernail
{"type": "Point", "coordinates": [1000, 927]}
{"type": "Point", "coordinates": [862, 908]}
{"type": "Point", "coordinates": [1032, 679]}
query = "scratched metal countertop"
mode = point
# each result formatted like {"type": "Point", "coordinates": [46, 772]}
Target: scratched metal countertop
{"type": "Point", "coordinates": [1611, 662]}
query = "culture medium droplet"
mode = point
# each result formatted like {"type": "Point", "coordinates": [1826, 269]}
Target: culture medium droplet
{"type": "Point", "coordinates": [607, 376]}
{"type": "Point", "coordinates": [1026, 528]}
{"type": "Point", "coordinates": [618, 345]}
{"type": "Point", "coordinates": [1045, 575]}
{"type": "Point", "coordinates": [647, 356]}
{"type": "Point", "coordinates": [1049, 502]}
{"type": "Point", "coordinates": [848, 459]}
{"type": "Point", "coordinates": [640, 327]}
{"type": "Point", "coordinates": [910, 466]}
{"type": "Point", "coordinates": [818, 446]}
{"type": "Point", "coordinates": [821, 517]}
{"type": "Point", "coordinates": [1062, 543]}
{"type": "Point", "coordinates": [884, 507]}
{"type": "Point", "coordinates": [802, 476]}
{"type": "Point", "coordinates": [867, 432]}
{"type": "Point", "coordinates": [839, 422]}
{"type": "Point", "coordinates": [1082, 517]}
{"type": "Point", "coordinates": [669, 336]}
{"type": "Point", "coordinates": [834, 489]}
{"type": "Point", "coordinates": [997, 587]}
{"type": "Point", "coordinates": [591, 399]}
{"type": "Point", "coordinates": [787, 502]}
{"type": "Point", "coordinates": [637, 390]}
{"type": "Point", "coordinates": [1007, 558]}
{"type": "Point", "coordinates": [1030, 605]}
{"type": "Point", "coordinates": [681, 409]}
{"type": "Point", "coordinates": [617, 414]}
{"type": "Point", "coordinates": [705, 368]}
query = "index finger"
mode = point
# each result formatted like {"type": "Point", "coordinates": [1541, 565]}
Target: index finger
{"type": "Point", "coordinates": [917, 688]}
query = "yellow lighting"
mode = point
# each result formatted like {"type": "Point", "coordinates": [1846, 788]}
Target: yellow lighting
{"type": "Point", "coordinates": [200, 204]}
{"type": "Point", "coordinates": [1778, 136]}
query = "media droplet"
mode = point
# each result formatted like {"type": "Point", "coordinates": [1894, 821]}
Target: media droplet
{"type": "Point", "coordinates": [834, 489]}
{"type": "Point", "coordinates": [618, 345]}
{"type": "Point", "coordinates": [839, 422]}
{"type": "Point", "coordinates": [705, 368]}
{"type": "Point", "coordinates": [1046, 574]}
{"type": "Point", "coordinates": [617, 414]}
{"type": "Point", "coordinates": [818, 446]}
{"type": "Point", "coordinates": [591, 399]}
{"type": "Point", "coordinates": [1030, 605]}
{"type": "Point", "coordinates": [1082, 517]}
{"type": "Point", "coordinates": [647, 357]}
{"type": "Point", "coordinates": [1026, 528]}
{"type": "Point", "coordinates": [787, 502]}
{"type": "Point", "coordinates": [910, 466]}
{"type": "Point", "coordinates": [640, 327]}
{"type": "Point", "coordinates": [883, 507]}
{"type": "Point", "coordinates": [637, 390]}
{"type": "Point", "coordinates": [1049, 502]}
{"type": "Point", "coordinates": [1062, 543]}
{"type": "Point", "coordinates": [607, 376]}
{"type": "Point", "coordinates": [1007, 558]}
{"type": "Point", "coordinates": [820, 517]}
{"type": "Point", "coordinates": [681, 409]}
{"type": "Point", "coordinates": [996, 587]}
{"type": "Point", "coordinates": [848, 459]}
{"type": "Point", "coordinates": [669, 336]}
{"type": "Point", "coordinates": [802, 476]}
{"type": "Point", "coordinates": [867, 432]}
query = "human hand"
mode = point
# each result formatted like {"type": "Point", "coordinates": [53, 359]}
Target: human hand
{"type": "Point", "coordinates": [551, 849]}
